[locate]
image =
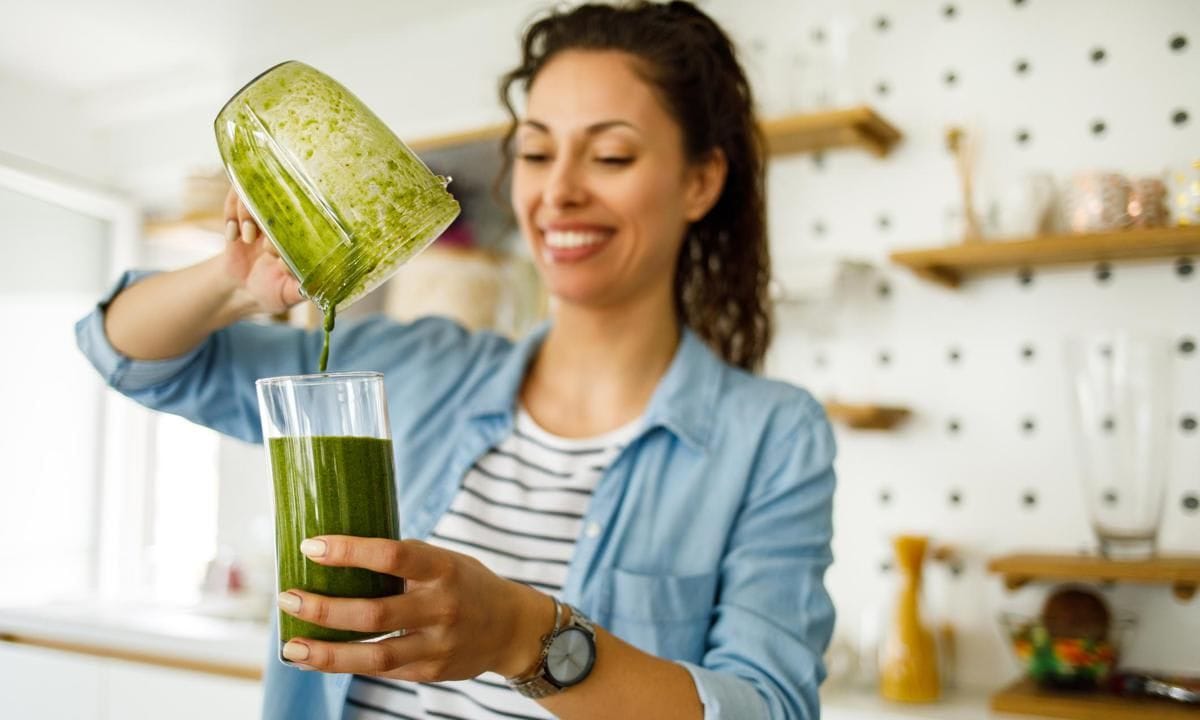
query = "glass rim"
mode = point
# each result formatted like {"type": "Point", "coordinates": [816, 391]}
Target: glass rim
{"type": "Point", "coordinates": [319, 378]}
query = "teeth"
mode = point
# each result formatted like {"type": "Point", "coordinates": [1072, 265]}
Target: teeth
{"type": "Point", "coordinates": [573, 239]}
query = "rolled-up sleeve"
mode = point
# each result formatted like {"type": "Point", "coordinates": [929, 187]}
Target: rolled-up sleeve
{"type": "Point", "coordinates": [774, 617]}
{"type": "Point", "coordinates": [212, 384]}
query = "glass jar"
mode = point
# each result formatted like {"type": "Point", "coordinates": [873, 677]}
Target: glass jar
{"type": "Point", "coordinates": [344, 200]}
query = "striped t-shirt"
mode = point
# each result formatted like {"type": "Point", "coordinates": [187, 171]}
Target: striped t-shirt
{"type": "Point", "coordinates": [519, 512]}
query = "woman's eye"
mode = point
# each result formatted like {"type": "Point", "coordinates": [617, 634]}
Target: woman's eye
{"type": "Point", "coordinates": [615, 160]}
{"type": "Point", "coordinates": [533, 157]}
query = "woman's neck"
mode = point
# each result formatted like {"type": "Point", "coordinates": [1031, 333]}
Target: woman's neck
{"type": "Point", "coordinates": [597, 368]}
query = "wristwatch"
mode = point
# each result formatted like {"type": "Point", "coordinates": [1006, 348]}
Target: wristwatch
{"type": "Point", "coordinates": [568, 654]}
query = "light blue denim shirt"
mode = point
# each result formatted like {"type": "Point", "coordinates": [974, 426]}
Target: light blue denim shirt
{"type": "Point", "coordinates": [715, 521]}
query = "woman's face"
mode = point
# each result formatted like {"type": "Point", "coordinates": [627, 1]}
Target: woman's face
{"type": "Point", "coordinates": [601, 188]}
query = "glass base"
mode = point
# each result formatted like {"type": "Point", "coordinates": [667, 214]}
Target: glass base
{"type": "Point", "coordinates": [1127, 547]}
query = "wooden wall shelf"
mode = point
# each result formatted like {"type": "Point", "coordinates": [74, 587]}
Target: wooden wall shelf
{"type": "Point", "coordinates": [948, 265]}
{"type": "Point", "coordinates": [866, 417]}
{"type": "Point", "coordinates": [1024, 697]}
{"type": "Point", "coordinates": [1181, 572]}
{"type": "Point", "coordinates": [859, 127]}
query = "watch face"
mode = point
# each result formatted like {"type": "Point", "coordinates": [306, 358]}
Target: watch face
{"type": "Point", "coordinates": [572, 654]}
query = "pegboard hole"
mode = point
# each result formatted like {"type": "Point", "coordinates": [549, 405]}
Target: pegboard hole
{"type": "Point", "coordinates": [1108, 424]}
{"type": "Point", "coordinates": [1187, 346]}
{"type": "Point", "coordinates": [1187, 423]}
{"type": "Point", "coordinates": [955, 498]}
{"type": "Point", "coordinates": [882, 23]}
{"type": "Point", "coordinates": [1103, 272]}
{"type": "Point", "coordinates": [1190, 502]}
{"type": "Point", "coordinates": [1028, 426]}
{"type": "Point", "coordinates": [1183, 267]}
{"type": "Point", "coordinates": [1023, 136]}
{"type": "Point", "coordinates": [1179, 118]}
{"type": "Point", "coordinates": [954, 426]}
{"type": "Point", "coordinates": [1099, 127]}
{"type": "Point", "coordinates": [1178, 43]}
{"type": "Point", "coordinates": [954, 355]}
{"type": "Point", "coordinates": [1025, 277]}
{"type": "Point", "coordinates": [883, 289]}
{"type": "Point", "coordinates": [882, 88]}
{"type": "Point", "coordinates": [884, 358]}
{"type": "Point", "coordinates": [885, 496]}
{"type": "Point", "coordinates": [950, 78]}
{"type": "Point", "coordinates": [1027, 352]}
{"type": "Point", "coordinates": [1098, 55]}
{"type": "Point", "coordinates": [1022, 66]}
{"type": "Point", "coordinates": [820, 360]}
{"type": "Point", "coordinates": [1110, 497]}
{"type": "Point", "coordinates": [819, 229]}
{"type": "Point", "coordinates": [949, 12]}
{"type": "Point", "coordinates": [1029, 499]}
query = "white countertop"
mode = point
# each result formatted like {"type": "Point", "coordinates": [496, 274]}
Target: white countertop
{"type": "Point", "coordinates": [171, 633]}
{"type": "Point", "coordinates": [843, 703]}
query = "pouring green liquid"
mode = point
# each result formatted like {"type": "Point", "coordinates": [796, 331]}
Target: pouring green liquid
{"type": "Point", "coordinates": [323, 362]}
{"type": "Point", "coordinates": [340, 196]}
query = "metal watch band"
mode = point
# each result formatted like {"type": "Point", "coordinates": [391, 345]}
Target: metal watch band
{"type": "Point", "coordinates": [539, 685]}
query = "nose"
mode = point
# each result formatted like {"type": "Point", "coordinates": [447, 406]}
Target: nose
{"type": "Point", "coordinates": [565, 185]}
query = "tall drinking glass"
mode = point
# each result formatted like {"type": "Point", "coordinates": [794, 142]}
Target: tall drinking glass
{"type": "Point", "coordinates": [330, 451]}
{"type": "Point", "coordinates": [1121, 383]}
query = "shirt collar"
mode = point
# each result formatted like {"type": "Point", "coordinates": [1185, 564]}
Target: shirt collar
{"type": "Point", "coordinates": [684, 401]}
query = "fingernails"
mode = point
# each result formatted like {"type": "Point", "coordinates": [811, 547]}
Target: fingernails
{"type": "Point", "coordinates": [249, 231]}
{"type": "Point", "coordinates": [231, 231]}
{"type": "Point", "coordinates": [288, 602]}
{"type": "Point", "coordinates": [295, 651]}
{"type": "Point", "coordinates": [313, 548]}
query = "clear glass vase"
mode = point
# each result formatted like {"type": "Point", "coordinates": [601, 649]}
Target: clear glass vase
{"type": "Point", "coordinates": [1121, 387]}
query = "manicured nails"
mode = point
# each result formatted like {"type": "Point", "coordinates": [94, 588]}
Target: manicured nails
{"type": "Point", "coordinates": [295, 651]}
{"type": "Point", "coordinates": [249, 231]}
{"type": "Point", "coordinates": [231, 231]}
{"type": "Point", "coordinates": [288, 602]}
{"type": "Point", "coordinates": [313, 547]}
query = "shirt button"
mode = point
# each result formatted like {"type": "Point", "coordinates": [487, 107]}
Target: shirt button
{"type": "Point", "coordinates": [593, 529]}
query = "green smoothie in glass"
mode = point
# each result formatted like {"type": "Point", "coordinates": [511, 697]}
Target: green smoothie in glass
{"type": "Point", "coordinates": [330, 452]}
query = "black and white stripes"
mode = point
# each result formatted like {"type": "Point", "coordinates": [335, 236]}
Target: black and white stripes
{"type": "Point", "coordinates": [519, 511]}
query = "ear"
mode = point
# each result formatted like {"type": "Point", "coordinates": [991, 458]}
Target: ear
{"type": "Point", "coordinates": [704, 182]}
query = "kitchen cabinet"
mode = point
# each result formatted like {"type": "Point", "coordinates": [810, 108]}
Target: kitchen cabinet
{"type": "Point", "coordinates": [56, 685]}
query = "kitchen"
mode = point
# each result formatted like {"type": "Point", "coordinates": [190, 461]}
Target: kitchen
{"type": "Point", "coordinates": [914, 148]}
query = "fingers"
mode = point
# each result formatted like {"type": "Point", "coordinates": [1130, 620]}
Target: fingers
{"type": "Point", "coordinates": [232, 226]}
{"type": "Point", "coordinates": [374, 658]}
{"type": "Point", "coordinates": [402, 558]}
{"type": "Point", "coordinates": [246, 222]}
{"type": "Point", "coordinates": [381, 615]}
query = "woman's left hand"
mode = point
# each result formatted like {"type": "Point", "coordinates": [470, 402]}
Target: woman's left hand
{"type": "Point", "coordinates": [460, 619]}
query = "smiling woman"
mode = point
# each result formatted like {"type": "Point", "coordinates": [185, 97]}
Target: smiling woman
{"type": "Point", "coordinates": [612, 517]}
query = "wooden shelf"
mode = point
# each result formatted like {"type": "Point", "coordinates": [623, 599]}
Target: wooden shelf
{"type": "Point", "coordinates": [1024, 697]}
{"type": "Point", "coordinates": [948, 265]}
{"type": "Point", "coordinates": [859, 127]}
{"type": "Point", "coordinates": [866, 417]}
{"type": "Point", "coordinates": [1181, 572]}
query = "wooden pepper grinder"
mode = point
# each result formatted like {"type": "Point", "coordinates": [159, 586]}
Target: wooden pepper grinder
{"type": "Point", "coordinates": [908, 663]}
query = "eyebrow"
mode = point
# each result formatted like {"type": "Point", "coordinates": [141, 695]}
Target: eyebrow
{"type": "Point", "coordinates": [592, 129]}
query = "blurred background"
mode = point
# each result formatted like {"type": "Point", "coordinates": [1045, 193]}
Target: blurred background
{"type": "Point", "coordinates": [984, 218]}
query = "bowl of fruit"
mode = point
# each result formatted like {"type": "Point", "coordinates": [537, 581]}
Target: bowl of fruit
{"type": "Point", "coordinates": [1074, 643]}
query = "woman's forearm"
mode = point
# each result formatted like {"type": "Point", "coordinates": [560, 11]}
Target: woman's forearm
{"type": "Point", "coordinates": [168, 314]}
{"type": "Point", "coordinates": [624, 683]}
{"type": "Point", "coordinates": [628, 683]}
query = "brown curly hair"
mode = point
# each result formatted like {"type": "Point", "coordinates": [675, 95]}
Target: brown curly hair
{"type": "Point", "coordinates": [724, 265]}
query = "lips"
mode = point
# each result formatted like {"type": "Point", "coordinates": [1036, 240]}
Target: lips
{"type": "Point", "coordinates": [569, 244]}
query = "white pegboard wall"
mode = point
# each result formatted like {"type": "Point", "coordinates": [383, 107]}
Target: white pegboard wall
{"type": "Point", "coordinates": [987, 462]}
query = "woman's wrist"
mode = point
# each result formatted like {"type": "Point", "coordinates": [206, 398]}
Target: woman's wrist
{"type": "Point", "coordinates": [532, 619]}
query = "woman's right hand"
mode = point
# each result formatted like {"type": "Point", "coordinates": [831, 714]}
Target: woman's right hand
{"type": "Point", "coordinates": [254, 263]}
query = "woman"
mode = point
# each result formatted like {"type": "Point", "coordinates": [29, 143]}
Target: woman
{"type": "Point", "coordinates": [621, 458]}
